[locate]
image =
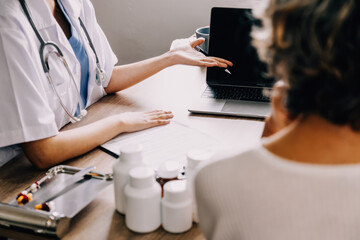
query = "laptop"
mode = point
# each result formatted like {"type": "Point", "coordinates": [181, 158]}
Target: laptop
{"type": "Point", "coordinates": [237, 91]}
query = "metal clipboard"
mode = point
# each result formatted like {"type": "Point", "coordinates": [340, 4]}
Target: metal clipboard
{"type": "Point", "coordinates": [65, 206]}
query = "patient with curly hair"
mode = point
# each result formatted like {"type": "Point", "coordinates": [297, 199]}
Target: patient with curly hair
{"type": "Point", "coordinates": [303, 179]}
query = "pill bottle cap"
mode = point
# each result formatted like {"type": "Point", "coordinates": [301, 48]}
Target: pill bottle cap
{"type": "Point", "coordinates": [176, 191]}
{"type": "Point", "coordinates": [141, 177]}
{"type": "Point", "coordinates": [131, 153]}
{"type": "Point", "coordinates": [169, 169]}
{"type": "Point", "coordinates": [196, 156]}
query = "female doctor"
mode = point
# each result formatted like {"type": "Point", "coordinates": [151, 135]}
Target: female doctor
{"type": "Point", "coordinates": [55, 61]}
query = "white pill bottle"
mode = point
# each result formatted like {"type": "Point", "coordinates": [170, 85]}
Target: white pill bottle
{"type": "Point", "coordinates": [130, 156]}
{"type": "Point", "coordinates": [142, 201]}
{"type": "Point", "coordinates": [176, 207]}
{"type": "Point", "coordinates": [194, 158]}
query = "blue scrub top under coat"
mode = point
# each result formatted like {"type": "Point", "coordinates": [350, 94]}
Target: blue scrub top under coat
{"type": "Point", "coordinates": [82, 57]}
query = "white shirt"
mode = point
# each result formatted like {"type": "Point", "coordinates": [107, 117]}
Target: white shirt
{"type": "Point", "coordinates": [257, 195]}
{"type": "Point", "coordinates": [29, 109]}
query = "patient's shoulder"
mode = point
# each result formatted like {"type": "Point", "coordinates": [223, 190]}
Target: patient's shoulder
{"type": "Point", "coordinates": [229, 162]}
{"type": "Point", "coordinates": [233, 155]}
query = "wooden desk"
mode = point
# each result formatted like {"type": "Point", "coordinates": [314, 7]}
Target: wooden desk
{"type": "Point", "coordinates": [173, 89]}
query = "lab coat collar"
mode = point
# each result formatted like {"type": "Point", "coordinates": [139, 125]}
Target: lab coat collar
{"type": "Point", "coordinates": [40, 14]}
{"type": "Point", "coordinates": [72, 7]}
{"type": "Point", "coordinates": [43, 18]}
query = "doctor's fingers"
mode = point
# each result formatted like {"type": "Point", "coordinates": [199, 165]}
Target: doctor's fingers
{"type": "Point", "coordinates": [211, 62]}
{"type": "Point", "coordinates": [161, 116]}
{"type": "Point", "coordinates": [222, 61]}
{"type": "Point", "coordinates": [154, 112]}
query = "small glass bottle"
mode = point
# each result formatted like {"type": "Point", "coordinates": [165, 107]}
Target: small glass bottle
{"type": "Point", "coordinates": [142, 201]}
{"type": "Point", "coordinates": [176, 207]}
{"type": "Point", "coordinates": [130, 157]}
{"type": "Point", "coordinates": [194, 158]}
{"type": "Point", "coordinates": [168, 171]}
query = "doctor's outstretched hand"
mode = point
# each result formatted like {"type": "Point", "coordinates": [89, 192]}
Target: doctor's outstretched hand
{"type": "Point", "coordinates": [184, 53]}
{"type": "Point", "coordinates": [181, 52]}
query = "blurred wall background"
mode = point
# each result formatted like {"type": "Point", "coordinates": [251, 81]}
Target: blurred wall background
{"type": "Point", "coordinates": [139, 29]}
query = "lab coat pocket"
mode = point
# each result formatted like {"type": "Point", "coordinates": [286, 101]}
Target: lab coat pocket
{"type": "Point", "coordinates": [58, 73]}
{"type": "Point", "coordinates": [62, 77]}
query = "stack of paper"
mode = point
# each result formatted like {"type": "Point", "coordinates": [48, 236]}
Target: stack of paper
{"type": "Point", "coordinates": [169, 142]}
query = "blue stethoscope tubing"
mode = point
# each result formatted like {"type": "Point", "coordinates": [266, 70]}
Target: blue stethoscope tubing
{"type": "Point", "coordinates": [100, 74]}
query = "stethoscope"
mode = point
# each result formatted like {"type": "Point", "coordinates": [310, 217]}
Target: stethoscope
{"type": "Point", "coordinates": [100, 74]}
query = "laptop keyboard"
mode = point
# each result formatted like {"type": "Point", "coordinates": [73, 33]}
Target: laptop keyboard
{"type": "Point", "coordinates": [235, 93]}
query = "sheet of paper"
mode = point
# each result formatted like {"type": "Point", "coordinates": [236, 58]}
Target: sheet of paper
{"type": "Point", "coordinates": [169, 142]}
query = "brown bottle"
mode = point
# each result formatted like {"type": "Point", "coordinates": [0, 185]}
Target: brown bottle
{"type": "Point", "coordinates": [168, 171]}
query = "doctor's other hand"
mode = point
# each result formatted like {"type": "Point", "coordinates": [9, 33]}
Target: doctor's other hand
{"type": "Point", "coordinates": [136, 121]}
{"type": "Point", "coordinates": [279, 117]}
{"type": "Point", "coordinates": [183, 52]}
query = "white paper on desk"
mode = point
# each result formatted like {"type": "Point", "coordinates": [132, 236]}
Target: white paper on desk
{"type": "Point", "coordinates": [169, 142]}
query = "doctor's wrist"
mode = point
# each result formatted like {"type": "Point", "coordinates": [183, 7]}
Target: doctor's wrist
{"type": "Point", "coordinates": [169, 58]}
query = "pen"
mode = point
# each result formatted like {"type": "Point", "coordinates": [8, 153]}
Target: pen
{"type": "Point", "coordinates": [197, 48]}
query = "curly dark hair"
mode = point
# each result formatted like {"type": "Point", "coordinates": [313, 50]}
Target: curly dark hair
{"type": "Point", "coordinates": [315, 45]}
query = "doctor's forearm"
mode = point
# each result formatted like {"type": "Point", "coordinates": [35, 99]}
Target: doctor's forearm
{"type": "Point", "coordinates": [125, 76]}
{"type": "Point", "coordinates": [71, 143]}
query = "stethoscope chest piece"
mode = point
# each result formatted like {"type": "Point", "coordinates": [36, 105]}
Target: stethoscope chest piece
{"type": "Point", "coordinates": [100, 75]}
{"type": "Point", "coordinates": [78, 118]}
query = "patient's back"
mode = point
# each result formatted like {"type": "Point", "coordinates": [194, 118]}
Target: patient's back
{"type": "Point", "coordinates": [257, 195]}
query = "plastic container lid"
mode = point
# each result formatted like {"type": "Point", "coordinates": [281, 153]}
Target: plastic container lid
{"type": "Point", "coordinates": [141, 177]}
{"type": "Point", "coordinates": [176, 191]}
{"type": "Point", "coordinates": [169, 169]}
{"type": "Point", "coordinates": [196, 156]}
{"type": "Point", "coordinates": [131, 152]}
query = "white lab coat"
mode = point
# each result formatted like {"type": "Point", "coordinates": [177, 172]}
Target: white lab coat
{"type": "Point", "coordinates": [29, 109]}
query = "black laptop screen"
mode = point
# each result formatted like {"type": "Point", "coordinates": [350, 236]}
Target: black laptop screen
{"type": "Point", "coordinates": [230, 38]}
